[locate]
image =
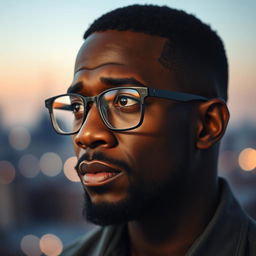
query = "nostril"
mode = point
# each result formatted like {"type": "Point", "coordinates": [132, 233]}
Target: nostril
{"type": "Point", "coordinates": [80, 144]}
{"type": "Point", "coordinates": [97, 143]}
{"type": "Point", "coordinates": [92, 144]}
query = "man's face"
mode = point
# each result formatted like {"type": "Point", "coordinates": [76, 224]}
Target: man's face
{"type": "Point", "coordinates": [125, 173]}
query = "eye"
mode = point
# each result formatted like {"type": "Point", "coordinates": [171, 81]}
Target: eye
{"type": "Point", "coordinates": [125, 101]}
{"type": "Point", "coordinates": [77, 109]}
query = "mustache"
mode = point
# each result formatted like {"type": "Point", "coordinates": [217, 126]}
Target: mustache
{"type": "Point", "coordinates": [98, 156]}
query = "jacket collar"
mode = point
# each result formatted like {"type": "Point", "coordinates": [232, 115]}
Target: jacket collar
{"type": "Point", "coordinates": [226, 232]}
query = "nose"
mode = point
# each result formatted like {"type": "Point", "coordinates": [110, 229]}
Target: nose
{"type": "Point", "coordinates": [94, 132]}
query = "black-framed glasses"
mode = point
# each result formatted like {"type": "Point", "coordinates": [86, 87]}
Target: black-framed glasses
{"type": "Point", "coordinates": [121, 108]}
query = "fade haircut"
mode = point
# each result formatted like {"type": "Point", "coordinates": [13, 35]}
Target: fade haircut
{"type": "Point", "coordinates": [193, 50]}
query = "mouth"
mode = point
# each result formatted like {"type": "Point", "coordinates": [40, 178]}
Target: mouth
{"type": "Point", "coordinates": [97, 174]}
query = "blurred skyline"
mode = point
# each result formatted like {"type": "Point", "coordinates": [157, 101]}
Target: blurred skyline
{"type": "Point", "coordinates": [40, 39]}
{"type": "Point", "coordinates": [40, 195]}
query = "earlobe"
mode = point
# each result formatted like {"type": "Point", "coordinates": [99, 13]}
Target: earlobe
{"type": "Point", "coordinates": [212, 123]}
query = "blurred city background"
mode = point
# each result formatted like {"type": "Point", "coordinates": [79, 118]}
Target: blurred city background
{"type": "Point", "coordinates": [40, 198]}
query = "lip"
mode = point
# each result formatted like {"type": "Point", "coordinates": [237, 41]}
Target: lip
{"type": "Point", "coordinates": [97, 174]}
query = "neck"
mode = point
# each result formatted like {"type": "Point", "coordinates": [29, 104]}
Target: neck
{"type": "Point", "coordinates": [171, 228]}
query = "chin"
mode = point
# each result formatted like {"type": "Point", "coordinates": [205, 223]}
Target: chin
{"type": "Point", "coordinates": [105, 208]}
{"type": "Point", "coordinates": [122, 209]}
{"type": "Point", "coordinates": [108, 213]}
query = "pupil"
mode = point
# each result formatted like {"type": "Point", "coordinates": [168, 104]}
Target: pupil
{"type": "Point", "coordinates": [123, 101]}
{"type": "Point", "coordinates": [76, 108]}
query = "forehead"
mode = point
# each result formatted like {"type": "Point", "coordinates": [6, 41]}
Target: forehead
{"type": "Point", "coordinates": [135, 52]}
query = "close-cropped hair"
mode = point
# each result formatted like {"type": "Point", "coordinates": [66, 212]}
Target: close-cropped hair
{"type": "Point", "coordinates": [192, 50]}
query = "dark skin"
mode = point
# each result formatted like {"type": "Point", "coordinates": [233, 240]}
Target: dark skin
{"type": "Point", "coordinates": [177, 142]}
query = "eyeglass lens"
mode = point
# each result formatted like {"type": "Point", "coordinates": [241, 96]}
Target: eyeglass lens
{"type": "Point", "coordinates": [120, 109]}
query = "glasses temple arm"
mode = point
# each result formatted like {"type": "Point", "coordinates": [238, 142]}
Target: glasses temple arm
{"type": "Point", "coordinates": [179, 96]}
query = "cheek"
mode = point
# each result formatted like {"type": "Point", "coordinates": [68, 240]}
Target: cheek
{"type": "Point", "coordinates": [152, 156]}
{"type": "Point", "coordinates": [159, 147]}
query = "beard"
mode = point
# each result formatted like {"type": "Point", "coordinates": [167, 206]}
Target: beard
{"type": "Point", "coordinates": [142, 199]}
{"type": "Point", "coordinates": [130, 208]}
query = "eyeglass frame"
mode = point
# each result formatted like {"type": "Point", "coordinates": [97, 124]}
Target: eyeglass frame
{"type": "Point", "coordinates": [143, 92]}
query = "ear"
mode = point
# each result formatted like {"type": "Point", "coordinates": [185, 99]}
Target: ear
{"type": "Point", "coordinates": [212, 123]}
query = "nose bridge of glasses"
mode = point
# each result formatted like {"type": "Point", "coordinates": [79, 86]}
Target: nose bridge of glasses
{"type": "Point", "coordinates": [88, 101]}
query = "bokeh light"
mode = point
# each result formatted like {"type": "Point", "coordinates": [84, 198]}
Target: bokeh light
{"type": "Point", "coordinates": [7, 172]}
{"type": "Point", "coordinates": [30, 245]}
{"type": "Point", "coordinates": [51, 245]}
{"type": "Point", "coordinates": [50, 164]}
{"type": "Point", "coordinates": [29, 166]}
{"type": "Point", "coordinates": [69, 169]}
{"type": "Point", "coordinates": [19, 138]}
{"type": "Point", "coordinates": [247, 159]}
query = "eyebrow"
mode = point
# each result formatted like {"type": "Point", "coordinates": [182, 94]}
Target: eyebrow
{"type": "Point", "coordinates": [108, 81]}
{"type": "Point", "coordinates": [121, 81]}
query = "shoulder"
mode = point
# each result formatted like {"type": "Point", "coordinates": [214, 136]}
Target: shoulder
{"type": "Point", "coordinates": [251, 241]}
{"type": "Point", "coordinates": [94, 243]}
{"type": "Point", "coordinates": [230, 232]}
{"type": "Point", "coordinates": [84, 243]}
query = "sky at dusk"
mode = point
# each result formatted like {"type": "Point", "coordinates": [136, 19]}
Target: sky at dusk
{"type": "Point", "coordinates": [39, 41]}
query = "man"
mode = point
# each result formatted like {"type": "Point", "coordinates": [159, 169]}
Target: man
{"type": "Point", "coordinates": [146, 111]}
